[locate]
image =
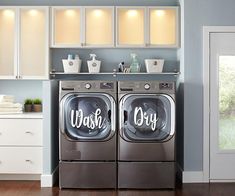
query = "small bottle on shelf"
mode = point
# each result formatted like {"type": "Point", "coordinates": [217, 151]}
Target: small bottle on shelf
{"type": "Point", "coordinates": [135, 65]}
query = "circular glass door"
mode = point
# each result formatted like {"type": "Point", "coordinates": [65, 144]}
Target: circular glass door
{"type": "Point", "coordinates": [87, 116]}
{"type": "Point", "coordinates": [147, 117]}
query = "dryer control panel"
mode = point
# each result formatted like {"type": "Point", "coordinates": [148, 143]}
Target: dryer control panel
{"type": "Point", "coordinates": [166, 86]}
{"type": "Point", "coordinates": [146, 86]}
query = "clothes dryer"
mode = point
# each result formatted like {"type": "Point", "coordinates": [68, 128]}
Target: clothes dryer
{"type": "Point", "coordinates": [146, 139]}
{"type": "Point", "coordinates": [87, 135]}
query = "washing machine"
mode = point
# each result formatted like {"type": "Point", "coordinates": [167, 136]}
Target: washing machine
{"type": "Point", "coordinates": [146, 139]}
{"type": "Point", "coordinates": [87, 136]}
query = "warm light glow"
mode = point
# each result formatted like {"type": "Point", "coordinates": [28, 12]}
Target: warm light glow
{"type": "Point", "coordinates": [160, 13]}
{"type": "Point", "coordinates": [98, 13]}
{"type": "Point", "coordinates": [33, 12]}
{"type": "Point", "coordinates": [8, 13]}
{"type": "Point", "coordinates": [70, 13]}
{"type": "Point", "coordinates": [132, 13]}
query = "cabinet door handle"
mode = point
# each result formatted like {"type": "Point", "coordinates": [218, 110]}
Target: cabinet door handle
{"type": "Point", "coordinates": [0, 133]}
{"type": "Point", "coordinates": [16, 77]}
{"type": "Point", "coordinates": [0, 162]}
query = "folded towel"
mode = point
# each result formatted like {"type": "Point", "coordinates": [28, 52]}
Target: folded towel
{"type": "Point", "coordinates": [11, 109]}
{"type": "Point", "coordinates": [6, 98]}
{"type": "Point", "coordinates": [10, 105]}
{"type": "Point", "coordinates": [2, 113]}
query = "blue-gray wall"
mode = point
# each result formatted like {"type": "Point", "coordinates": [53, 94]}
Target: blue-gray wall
{"type": "Point", "coordinates": [21, 89]}
{"type": "Point", "coordinates": [89, 2]}
{"type": "Point", "coordinates": [110, 58]}
{"type": "Point", "coordinates": [198, 13]}
{"type": "Point", "coordinates": [50, 126]}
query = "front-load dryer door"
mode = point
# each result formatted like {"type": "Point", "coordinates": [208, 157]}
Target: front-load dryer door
{"type": "Point", "coordinates": [147, 118]}
{"type": "Point", "coordinates": [87, 117]}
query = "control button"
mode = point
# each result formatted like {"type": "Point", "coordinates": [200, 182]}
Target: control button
{"type": "Point", "coordinates": [147, 86]}
{"type": "Point", "coordinates": [87, 86]}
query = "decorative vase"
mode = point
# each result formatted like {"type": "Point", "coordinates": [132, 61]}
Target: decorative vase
{"type": "Point", "coordinates": [28, 107]}
{"type": "Point", "coordinates": [37, 107]}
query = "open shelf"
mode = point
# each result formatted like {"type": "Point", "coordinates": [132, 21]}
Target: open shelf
{"type": "Point", "coordinates": [24, 115]}
{"type": "Point", "coordinates": [108, 75]}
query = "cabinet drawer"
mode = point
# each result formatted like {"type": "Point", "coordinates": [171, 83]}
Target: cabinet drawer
{"type": "Point", "coordinates": [21, 160]}
{"type": "Point", "coordinates": [23, 132]}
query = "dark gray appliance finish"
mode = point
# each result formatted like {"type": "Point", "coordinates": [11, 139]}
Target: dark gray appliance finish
{"type": "Point", "coordinates": [146, 139]}
{"type": "Point", "coordinates": [87, 134]}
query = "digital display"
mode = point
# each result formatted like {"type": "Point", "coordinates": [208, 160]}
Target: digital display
{"type": "Point", "coordinates": [106, 85]}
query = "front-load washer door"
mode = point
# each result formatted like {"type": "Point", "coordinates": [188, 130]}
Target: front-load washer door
{"type": "Point", "coordinates": [147, 118]}
{"type": "Point", "coordinates": [87, 117]}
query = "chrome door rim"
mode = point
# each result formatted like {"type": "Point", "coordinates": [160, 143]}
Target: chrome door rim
{"type": "Point", "coordinates": [121, 117]}
{"type": "Point", "coordinates": [113, 116]}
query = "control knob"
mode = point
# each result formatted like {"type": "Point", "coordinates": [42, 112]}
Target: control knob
{"type": "Point", "coordinates": [147, 86]}
{"type": "Point", "coordinates": [87, 85]}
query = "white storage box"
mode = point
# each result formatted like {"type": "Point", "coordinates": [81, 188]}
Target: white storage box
{"type": "Point", "coordinates": [72, 66]}
{"type": "Point", "coordinates": [154, 65]}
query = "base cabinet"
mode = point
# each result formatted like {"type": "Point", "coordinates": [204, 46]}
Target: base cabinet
{"type": "Point", "coordinates": [21, 144]}
{"type": "Point", "coordinates": [21, 160]}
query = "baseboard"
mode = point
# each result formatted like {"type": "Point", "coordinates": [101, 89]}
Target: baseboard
{"type": "Point", "coordinates": [49, 180]}
{"type": "Point", "coordinates": [223, 181]}
{"type": "Point", "coordinates": [20, 176]}
{"type": "Point", "coordinates": [193, 177]}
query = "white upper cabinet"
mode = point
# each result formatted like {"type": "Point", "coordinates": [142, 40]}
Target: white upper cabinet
{"type": "Point", "coordinates": [8, 43]}
{"type": "Point", "coordinates": [99, 26]}
{"type": "Point", "coordinates": [147, 27]}
{"type": "Point", "coordinates": [24, 43]}
{"type": "Point", "coordinates": [163, 26]}
{"type": "Point", "coordinates": [74, 27]}
{"type": "Point", "coordinates": [131, 26]}
{"type": "Point", "coordinates": [66, 26]}
{"type": "Point", "coordinates": [33, 43]}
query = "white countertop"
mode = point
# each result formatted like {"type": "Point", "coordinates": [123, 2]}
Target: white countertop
{"type": "Point", "coordinates": [25, 115]}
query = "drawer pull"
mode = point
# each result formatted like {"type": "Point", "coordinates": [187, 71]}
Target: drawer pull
{"type": "Point", "coordinates": [28, 161]}
{"type": "Point", "coordinates": [29, 132]}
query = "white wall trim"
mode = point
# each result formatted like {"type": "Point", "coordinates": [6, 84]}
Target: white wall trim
{"type": "Point", "coordinates": [20, 177]}
{"type": "Point", "coordinates": [222, 181]}
{"type": "Point", "coordinates": [49, 180]}
{"type": "Point", "coordinates": [207, 30]}
{"type": "Point", "coordinates": [193, 177]}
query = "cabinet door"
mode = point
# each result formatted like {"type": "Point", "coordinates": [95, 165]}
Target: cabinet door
{"type": "Point", "coordinates": [8, 43]}
{"type": "Point", "coordinates": [33, 43]}
{"type": "Point", "coordinates": [99, 26]}
{"type": "Point", "coordinates": [163, 26]}
{"type": "Point", "coordinates": [66, 26]}
{"type": "Point", "coordinates": [131, 26]}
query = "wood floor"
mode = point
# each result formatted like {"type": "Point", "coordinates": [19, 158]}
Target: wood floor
{"type": "Point", "coordinates": [32, 188]}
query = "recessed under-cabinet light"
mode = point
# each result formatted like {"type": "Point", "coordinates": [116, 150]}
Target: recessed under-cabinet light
{"type": "Point", "coordinates": [132, 13]}
{"type": "Point", "coordinates": [70, 12]}
{"type": "Point", "coordinates": [98, 13]}
{"type": "Point", "coordinates": [33, 12]}
{"type": "Point", "coordinates": [160, 13]}
{"type": "Point", "coordinates": [9, 13]}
